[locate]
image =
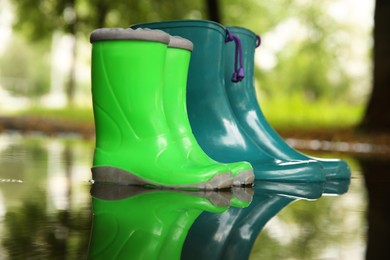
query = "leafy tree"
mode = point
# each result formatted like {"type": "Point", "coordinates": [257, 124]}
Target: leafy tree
{"type": "Point", "coordinates": [39, 19]}
{"type": "Point", "coordinates": [310, 60]}
{"type": "Point", "coordinates": [308, 45]}
{"type": "Point", "coordinates": [308, 63]}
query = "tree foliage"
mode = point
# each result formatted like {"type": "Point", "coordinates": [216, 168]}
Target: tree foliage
{"type": "Point", "coordinates": [38, 19]}
{"type": "Point", "coordinates": [24, 69]}
{"type": "Point", "coordinates": [309, 47]}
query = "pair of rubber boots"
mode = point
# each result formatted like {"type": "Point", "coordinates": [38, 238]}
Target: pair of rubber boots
{"type": "Point", "coordinates": [224, 114]}
{"type": "Point", "coordinates": [143, 135]}
{"type": "Point", "coordinates": [142, 131]}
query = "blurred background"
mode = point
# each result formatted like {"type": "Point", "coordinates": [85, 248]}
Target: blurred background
{"type": "Point", "coordinates": [322, 80]}
{"type": "Point", "coordinates": [314, 69]}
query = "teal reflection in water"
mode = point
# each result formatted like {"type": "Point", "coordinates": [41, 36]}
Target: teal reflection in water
{"type": "Point", "coordinates": [331, 227]}
{"type": "Point", "coordinates": [231, 235]}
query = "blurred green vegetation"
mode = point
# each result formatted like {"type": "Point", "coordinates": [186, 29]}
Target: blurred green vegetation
{"type": "Point", "coordinates": [295, 112]}
{"type": "Point", "coordinates": [24, 69]}
{"type": "Point", "coordinates": [307, 72]}
{"type": "Point", "coordinates": [76, 114]}
{"type": "Point", "coordinates": [292, 113]}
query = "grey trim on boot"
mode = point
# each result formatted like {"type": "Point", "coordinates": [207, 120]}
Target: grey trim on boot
{"type": "Point", "coordinates": [244, 178]}
{"type": "Point", "coordinates": [107, 34]}
{"type": "Point", "coordinates": [181, 43]}
{"type": "Point", "coordinates": [108, 191]}
{"type": "Point", "coordinates": [108, 174]}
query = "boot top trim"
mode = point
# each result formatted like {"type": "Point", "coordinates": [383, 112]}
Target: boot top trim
{"type": "Point", "coordinates": [106, 34]}
{"type": "Point", "coordinates": [180, 42]}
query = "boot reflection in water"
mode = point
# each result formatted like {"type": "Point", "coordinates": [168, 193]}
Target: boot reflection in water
{"type": "Point", "coordinates": [231, 235]}
{"type": "Point", "coordinates": [242, 98]}
{"type": "Point", "coordinates": [134, 143]}
{"type": "Point", "coordinates": [211, 116]}
{"type": "Point", "coordinates": [131, 222]}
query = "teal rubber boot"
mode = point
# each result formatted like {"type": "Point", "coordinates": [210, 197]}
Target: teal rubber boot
{"type": "Point", "coordinates": [211, 117]}
{"type": "Point", "coordinates": [174, 99]}
{"type": "Point", "coordinates": [134, 144]}
{"type": "Point", "coordinates": [242, 98]}
{"type": "Point", "coordinates": [138, 223]}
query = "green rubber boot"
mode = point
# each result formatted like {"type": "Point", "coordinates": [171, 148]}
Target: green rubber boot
{"type": "Point", "coordinates": [134, 144]}
{"type": "Point", "coordinates": [137, 223]}
{"type": "Point", "coordinates": [176, 71]}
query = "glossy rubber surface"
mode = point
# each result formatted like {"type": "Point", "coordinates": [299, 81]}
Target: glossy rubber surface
{"type": "Point", "coordinates": [211, 117]}
{"type": "Point", "coordinates": [132, 133]}
{"type": "Point", "coordinates": [242, 98]}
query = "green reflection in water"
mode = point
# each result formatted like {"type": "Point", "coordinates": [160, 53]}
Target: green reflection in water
{"type": "Point", "coordinates": [143, 223]}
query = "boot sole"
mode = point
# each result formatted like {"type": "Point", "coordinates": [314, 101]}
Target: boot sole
{"type": "Point", "coordinates": [244, 178]}
{"type": "Point", "coordinates": [107, 174]}
{"type": "Point", "coordinates": [108, 191]}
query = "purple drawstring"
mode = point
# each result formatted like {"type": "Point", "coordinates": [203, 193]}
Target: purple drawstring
{"type": "Point", "coordinates": [238, 73]}
{"type": "Point", "coordinates": [258, 40]}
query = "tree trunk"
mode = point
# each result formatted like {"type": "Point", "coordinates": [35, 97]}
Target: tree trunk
{"type": "Point", "coordinates": [377, 116]}
{"type": "Point", "coordinates": [71, 28]}
{"type": "Point", "coordinates": [101, 10]}
{"type": "Point", "coordinates": [213, 10]}
{"type": "Point", "coordinates": [71, 84]}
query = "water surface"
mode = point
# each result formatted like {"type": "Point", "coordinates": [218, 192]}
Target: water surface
{"type": "Point", "coordinates": [46, 212]}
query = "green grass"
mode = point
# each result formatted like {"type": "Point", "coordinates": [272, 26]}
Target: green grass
{"type": "Point", "coordinates": [297, 113]}
{"type": "Point", "coordinates": [71, 114]}
{"type": "Point", "coordinates": [282, 112]}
